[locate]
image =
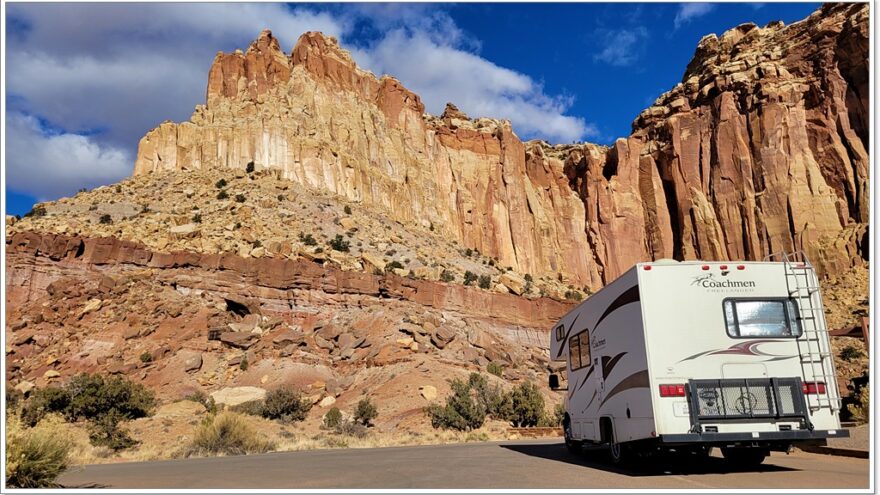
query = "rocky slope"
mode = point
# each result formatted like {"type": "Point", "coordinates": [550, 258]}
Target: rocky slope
{"type": "Point", "coordinates": [761, 148]}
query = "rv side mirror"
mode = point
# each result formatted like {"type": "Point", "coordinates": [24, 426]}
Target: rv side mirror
{"type": "Point", "coordinates": [554, 382]}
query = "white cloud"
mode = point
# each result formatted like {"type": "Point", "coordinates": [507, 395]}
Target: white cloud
{"type": "Point", "coordinates": [441, 73]}
{"type": "Point", "coordinates": [48, 165]}
{"type": "Point", "coordinates": [114, 71]}
{"type": "Point", "coordinates": [689, 11]}
{"type": "Point", "coordinates": [621, 47]}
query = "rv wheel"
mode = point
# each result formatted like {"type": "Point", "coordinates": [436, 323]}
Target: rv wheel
{"type": "Point", "coordinates": [619, 453]}
{"type": "Point", "coordinates": [571, 444]}
{"type": "Point", "coordinates": [744, 456]}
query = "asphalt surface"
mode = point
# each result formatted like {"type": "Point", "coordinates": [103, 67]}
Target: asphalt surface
{"type": "Point", "coordinates": [511, 464]}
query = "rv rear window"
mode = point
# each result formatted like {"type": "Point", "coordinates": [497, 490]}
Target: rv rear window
{"type": "Point", "coordinates": [761, 318]}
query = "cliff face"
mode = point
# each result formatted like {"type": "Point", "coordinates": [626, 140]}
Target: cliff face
{"type": "Point", "coordinates": [761, 148]}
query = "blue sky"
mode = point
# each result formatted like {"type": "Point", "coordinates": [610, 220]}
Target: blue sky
{"type": "Point", "coordinates": [86, 81]}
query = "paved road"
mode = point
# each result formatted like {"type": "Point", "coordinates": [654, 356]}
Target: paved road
{"type": "Point", "coordinates": [512, 464]}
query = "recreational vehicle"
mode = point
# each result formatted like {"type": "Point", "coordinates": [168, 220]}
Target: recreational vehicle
{"type": "Point", "coordinates": [691, 355]}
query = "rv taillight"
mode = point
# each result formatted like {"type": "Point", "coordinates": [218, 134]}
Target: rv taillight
{"type": "Point", "coordinates": [723, 267]}
{"type": "Point", "coordinates": [705, 267]}
{"type": "Point", "coordinates": [672, 390]}
{"type": "Point", "coordinates": [740, 267]}
{"type": "Point", "coordinates": [814, 388]}
{"type": "Point", "coordinates": [647, 268]}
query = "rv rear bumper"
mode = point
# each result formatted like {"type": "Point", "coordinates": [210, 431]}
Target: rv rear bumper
{"type": "Point", "coordinates": [762, 436]}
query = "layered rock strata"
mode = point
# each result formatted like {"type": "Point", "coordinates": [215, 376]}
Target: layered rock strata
{"type": "Point", "coordinates": [761, 148]}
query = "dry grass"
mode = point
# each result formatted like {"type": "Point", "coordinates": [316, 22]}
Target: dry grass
{"type": "Point", "coordinates": [228, 433]}
{"type": "Point", "coordinates": [35, 457]}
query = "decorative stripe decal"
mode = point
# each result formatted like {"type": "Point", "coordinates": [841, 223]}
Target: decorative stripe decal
{"type": "Point", "coordinates": [591, 401]}
{"type": "Point", "coordinates": [638, 379]}
{"type": "Point", "coordinates": [629, 296]}
{"type": "Point", "coordinates": [608, 364]}
{"type": "Point", "coordinates": [567, 333]}
{"type": "Point", "coordinates": [583, 382]}
{"type": "Point", "coordinates": [747, 348]}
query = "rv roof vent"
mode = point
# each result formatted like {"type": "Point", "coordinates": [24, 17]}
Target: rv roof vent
{"type": "Point", "coordinates": [666, 261]}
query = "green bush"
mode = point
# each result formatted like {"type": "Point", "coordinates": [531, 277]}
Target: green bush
{"type": "Point", "coordinates": [558, 414]}
{"type": "Point", "coordinates": [861, 410]}
{"type": "Point", "coordinates": [43, 401]}
{"type": "Point", "coordinates": [468, 252]}
{"type": "Point", "coordinates": [197, 218]}
{"type": "Point", "coordinates": [251, 408]}
{"type": "Point", "coordinates": [227, 433]}
{"type": "Point", "coordinates": [485, 281]}
{"type": "Point", "coordinates": [250, 167]}
{"type": "Point", "coordinates": [527, 405]}
{"type": "Point", "coordinates": [243, 364]}
{"type": "Point", "coordinates": [469, 277]}
{"type": "Point", "coordinates": [340, 244]}
{"type": "Point", "coordinates": [528, 278]}
{"type": "Point", "coordinates": [146, 357]}
{"type": "Point", "coordinates": [447, 276]}
{"type": "Point", "coordinates": [36, 211]}
{"type": "Point", "coordinates": [105, 432]}
{"type": "Point", "coordinates": [333, 418]}
{"type": "Point", "coordinates": [573, 295]}
{"type": "Point", "coordinates": [35, 457]}
{"type": "Point", "coordinates": [239, 198]}
{"type": "Point", "coordinates": [105, 219]}
{"type": "Point", "coordinates": [203, 399]}
{"type": "Point", "coordinates": [93, 396]}
{"type": "Point", "coordinates": [14, 399]}
{"type": "Point", "coordinates": [494, 368]}
{"type": "Point", "coordinates": [285, 404]}
{"type": "Point", "coordinates": [850, 353]}
{"type": "Point", "coordinates": [493, 399]}
{"type": "Point", "coordinates": [307, 239]}
{"type": "Point", "coordinates": [351, 429]}
{"type": "Point", "coordinates": [347, 210]}
{"type": "Point", "coordinates": [462, 411]}
{"type": "Point", "coordinates": [222, 195]}
{"type": "Point", "coordinates": [394, 264]}
{"type": "Point", "coordinates": [365, 412]}
{"type": "Point", "coordinates": [220, 184]}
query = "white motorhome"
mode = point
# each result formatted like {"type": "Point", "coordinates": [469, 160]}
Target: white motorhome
{"type": "Point", "coordinates": [691, 355]}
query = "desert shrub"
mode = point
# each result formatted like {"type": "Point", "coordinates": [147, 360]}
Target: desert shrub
{"type": "Point", "coordinates": [493, 399]}
{"type": "Point", "coordinates": [250, 167]}
{"type": "Point", "coordinates": [146, 357]}
{"type": "Point", "coordinates": [36, 211]}
{"type": "Point", "coordinates": [227, 433]}
{"type": "Point", "coordinates": [861, 410]}
{"type": "Point", "coordinates": [197, 218]}
{"type": "Point", "coordinates": [43, 401]}
{"type": "Point", "coordinates": [351, 429]}
{"type": "Point", "coordinates": [850, 353]}
{"type": "Point", "coordinates": [243, 364]}
{"type": "Point", "coordinates": [251, 408]}
{"type": "Point", "coordinates": [394, 264]}
{"type": "Point", "coordinates": [468, 252]}
{"type": "Point", "coordinates": [222, 195]}
{"type": "Point", "coordinates": [558, 414]}
{"type": "Point", "coordinates": [447, 276]}
{"type": "Point", "coordinates": [333, 418]}
{"type": "Point", "coordinates": [285, 404]}
{"type": "Point", "coordinates": [105, 219]}
{"type": "Point", "coordinates": [485, 281]}
{"type": "Point", "coordinates": [35, 457]}
{"type": "Point", "coordinates": [527, 405]}
{"type": "Point", "coordinates": [347, 210]}
{"type": "Point", "coordinates": [477, 437]}
{"type": "Point", "coordinates": [462, 411]}
{"type": "Point", "coordinates": [239, 198]}
{"type": "Point", "coordinates": [203, 399]}
{"type": "Point", "coordinates": [105, 432]}
{"type": "Point", "coordinates": [494, 368]}
{"type": "Point", "coordinates": [365, 412]}
{"type": "Point", "coordinates": [528, 277]}
{"type": "Point", "coordinates": [469, 277]}
{"type": "Point", "coordinates": [573, 295]}
{"type": "Point", "coordinates": [220, 184]}
{"type": "Point", "coordinates": [307, 239]}
{"type": "Point", "coordinates": [339, 243]}
{"type": "Point", "coordinates": [93, 396]}
{"type": "Point", "coordinates": [14, 399]}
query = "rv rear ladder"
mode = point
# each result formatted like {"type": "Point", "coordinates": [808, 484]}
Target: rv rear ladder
{"type": "Point", "coordinates": [813, 346]}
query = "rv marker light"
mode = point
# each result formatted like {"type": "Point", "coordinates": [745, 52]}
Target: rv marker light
{"type": "Point", "coordinates": [723, 267]}
{"type": "Point", "coordinates": [741, 267]}
{"type": "Point", "coordinates": [705, 267]}
{"type": "Point", "coordinates": [647, 267]}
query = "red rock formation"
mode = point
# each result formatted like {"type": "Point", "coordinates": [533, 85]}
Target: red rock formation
{"type": "Point", "coordinates": [761, 148]}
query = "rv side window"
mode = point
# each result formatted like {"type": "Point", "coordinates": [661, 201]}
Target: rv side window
{"type": "Point", "coordinates": [761, 318]}
{"type": "Point", "coordinates": [579, 350]}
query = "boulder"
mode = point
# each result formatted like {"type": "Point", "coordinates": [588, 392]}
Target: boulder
{"type": "Point", "coordinates": [241, 340]}
{"type": "Point", "coordinates": [374, 261]}
{"type": "Point", "coordinates": [185, 231]}
{"type": "Point", "coordinates": [442, 337]}
{"type": "Point", "coordinates": [516, 284]}
{"type": "Point", "coordinates": [233, 396]}
{"type": "Point", "coordinates": [193, 363]}
{"type": "Point", "coordinates": [428, 392]}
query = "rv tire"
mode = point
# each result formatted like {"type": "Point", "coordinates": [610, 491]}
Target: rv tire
{"type": "Point", "coordinates": [744, 456]}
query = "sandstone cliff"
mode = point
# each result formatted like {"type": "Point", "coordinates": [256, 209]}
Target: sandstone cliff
{"type": "Point", "coordinates": [761, 148]}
